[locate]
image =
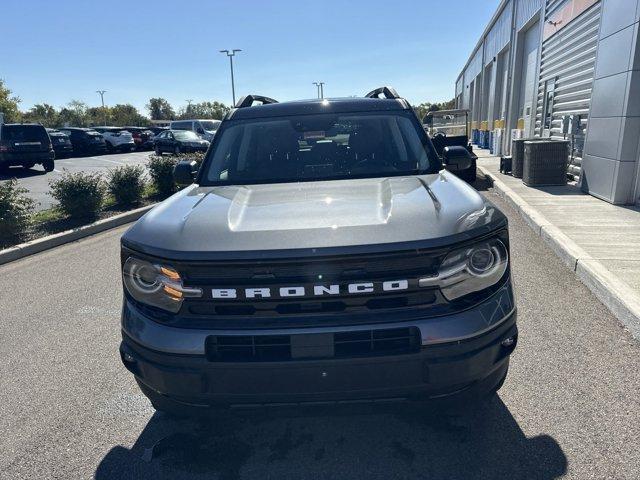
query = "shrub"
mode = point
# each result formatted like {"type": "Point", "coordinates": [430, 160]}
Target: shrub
{"type": "Point", "coordinates": [79, 194]}
{"type": "Point", "coordinates": [126, 184]}
{"type": "Point", "coordinates": [161, 173]}
{"type": "Point", "coordinates": [15, 211]}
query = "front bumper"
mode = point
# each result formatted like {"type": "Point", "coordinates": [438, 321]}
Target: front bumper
{"type": "Point", "coordinates": [438, 367]}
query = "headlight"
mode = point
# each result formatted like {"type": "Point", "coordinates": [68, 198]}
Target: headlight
{"type": "Point", "coordinates": [470, 269]}
{"type": "Point", "coordinates": [156, 285]}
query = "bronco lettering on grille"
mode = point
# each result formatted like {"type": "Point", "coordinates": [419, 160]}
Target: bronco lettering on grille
{"type": "Point", "coordinates": [359, 288]}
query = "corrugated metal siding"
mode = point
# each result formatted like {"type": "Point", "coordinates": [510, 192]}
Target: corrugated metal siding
{"type": "Point", "coordinates": [568, 58]}
{"type": "Point", "coordinates": [474, 67]}
{"type": "Point", "coordinates": [471, 72]}
{"type": "Point", "coordinates": [525, 10]}
{"type": "Point", "coordinates": [499, 35]}
{"type": "Point", "coordinates": [552, 6]}
{"type": "Point", "coordinates": [459, 86]}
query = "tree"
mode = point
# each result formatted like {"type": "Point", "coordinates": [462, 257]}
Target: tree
{"type": "Point", "coordinates": [42, 113]}
{"type": "Point", "coordinates": [213, 110]}
{"type": "Point", "coordinates": [160, 109]}
{"type": "Point", "coordinates": [75, 114]}
{"type": "Point", "coordinates": [123, 115]}
{"type": "Point", "coordinates": [8, 104]}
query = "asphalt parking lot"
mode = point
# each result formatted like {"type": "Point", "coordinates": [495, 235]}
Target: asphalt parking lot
{"type": "Point", "coordinates": [68, 409]}
{"type": "Point", "coordinates": [36, 180]}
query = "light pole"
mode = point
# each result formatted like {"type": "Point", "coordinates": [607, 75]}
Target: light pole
{"type": "Point", "coordinates": [231, 54]}
{"type": "Point", "coordinates": [317, 88]}
{"type": "Point", "coordinates": [104, 112]}
{"type": "Point", "coordinates": [321, 89]}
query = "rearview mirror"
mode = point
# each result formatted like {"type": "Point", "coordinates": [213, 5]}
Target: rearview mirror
{"type": "Point", "coordinates": [457, 158]}
{"type": "Point", "coordinates": [185, 172]}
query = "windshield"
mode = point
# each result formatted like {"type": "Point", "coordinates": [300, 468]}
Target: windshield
{"type": "Point", "coordinates": [185, 135]}
{"type": "Point", "coordinates": [210, 125]}
{"type": "Point", "coordinates": [319, 147]}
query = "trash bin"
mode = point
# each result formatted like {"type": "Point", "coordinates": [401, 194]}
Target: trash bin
{"type": "Point", "coordinates": [545, 162]}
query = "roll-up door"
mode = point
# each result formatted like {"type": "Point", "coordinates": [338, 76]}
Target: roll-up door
{"type": "Point", "coordinates": [567, 67]}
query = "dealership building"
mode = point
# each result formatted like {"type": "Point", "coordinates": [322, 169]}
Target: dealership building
{"type": "Point", "coordinates": [564, 69]}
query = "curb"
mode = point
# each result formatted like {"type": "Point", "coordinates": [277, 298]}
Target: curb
{"type": "Point", "coordinates": [614, 294]}
{"type": "Point", "coordinates": [45, 243]}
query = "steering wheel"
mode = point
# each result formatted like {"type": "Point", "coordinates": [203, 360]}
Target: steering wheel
{"type": "Point", "coordinates": [440, 134]}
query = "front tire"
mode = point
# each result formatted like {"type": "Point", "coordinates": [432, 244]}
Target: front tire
{"type": "Point", "coordinates": [48, 165]}
{"type": "Point", "coordinates": [157, 150]}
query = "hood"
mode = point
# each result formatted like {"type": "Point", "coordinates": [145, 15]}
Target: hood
{"type": "Point", "coordinates": [201, 222]}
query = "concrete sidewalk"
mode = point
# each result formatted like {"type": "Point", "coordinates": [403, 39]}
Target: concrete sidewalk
{"type": "Point", "coordinates": [597, 240]}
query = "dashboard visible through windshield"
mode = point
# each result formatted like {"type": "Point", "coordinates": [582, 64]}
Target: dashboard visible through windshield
{"type": "Point", "coordinates": [319, 147]}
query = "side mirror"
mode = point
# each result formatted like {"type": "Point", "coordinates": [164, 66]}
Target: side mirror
{"type": "Point", "coordinates": [457, 158]}
{"type": "Point", "coordinates": [185, 172]}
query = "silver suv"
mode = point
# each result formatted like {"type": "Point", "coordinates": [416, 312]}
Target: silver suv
{"type": "Point", "coordinates": [321, 253]}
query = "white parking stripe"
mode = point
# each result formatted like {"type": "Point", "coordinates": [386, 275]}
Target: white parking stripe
{"type": "Point", "coordinates": [111, 161]}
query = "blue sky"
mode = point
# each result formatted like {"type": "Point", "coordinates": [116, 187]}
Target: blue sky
{"type": "Point", "coordinates": [55, 51]}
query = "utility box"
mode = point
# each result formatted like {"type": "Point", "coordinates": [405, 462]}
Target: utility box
{"type": "Point", "coordinates": [545, 162]}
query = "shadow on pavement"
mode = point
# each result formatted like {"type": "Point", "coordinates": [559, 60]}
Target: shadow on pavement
{"type": "Point", "coordinates": [354, 442]}
{"type": "Point", "coordinates": [19, 172]}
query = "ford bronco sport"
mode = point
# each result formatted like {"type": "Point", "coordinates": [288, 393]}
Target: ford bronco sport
{"type": "Point", "coordinates": [321, 253]}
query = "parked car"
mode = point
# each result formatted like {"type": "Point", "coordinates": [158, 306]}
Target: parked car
{"type": "Point", "coordinates": [179, 141]}
{"type": "Point", "coordinates": [320, 253]}
{"type": "Point", "coordinates": [206, 129]}
{"type": "Point", "coordinates": [117, 138]}
{"type": "Point", "coordinates": [85, 141]}
{"type": "Point", "coordinates": [25, 144]}
{"type": "Point", "coordinates": [61, 143]}
{"type": "Point", "coordinates": [142, 137]}
{"type": "Point", "coordinates": [157, 130]}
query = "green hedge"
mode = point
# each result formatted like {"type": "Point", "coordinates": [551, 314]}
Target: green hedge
{"type": "Point", "coordinates": [79, 194]}
{"type": "Point", "coordinates": [15, 212]}
{"type": "Point", "coordinates": [126, 184]}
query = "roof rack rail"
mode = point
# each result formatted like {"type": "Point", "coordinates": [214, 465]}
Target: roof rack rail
{"type": "Point", "coordinates": [248, 100]}
{"type": "Point", "coordinates": [388, 92]}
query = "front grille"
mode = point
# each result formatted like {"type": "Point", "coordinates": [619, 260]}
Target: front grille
{"type": "Point", "coordinates": [341, 270]}
{"type": "Point", "coordinates": [408, 264]}
{"type": "Point", "coordinates": [309, 306]}
{"type": "Point", "coordinates": [279, 348]}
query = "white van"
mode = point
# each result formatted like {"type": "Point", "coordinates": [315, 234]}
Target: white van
{"type": "Point", "coordinates": [206, 129]}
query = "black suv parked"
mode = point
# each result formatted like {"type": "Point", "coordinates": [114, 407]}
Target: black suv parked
{"type": "Point", "coordinates": [85, 141]}
{"type": "Point", "coordinates": [61, 143]}
{"type": "Point", "coordinates": [321, 254]}
{"type": "Point", "coordinates": [25, 144]}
